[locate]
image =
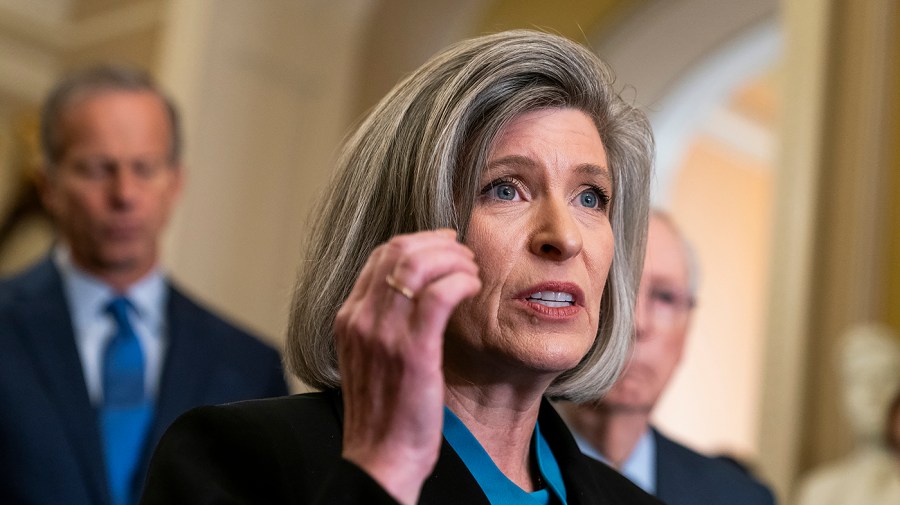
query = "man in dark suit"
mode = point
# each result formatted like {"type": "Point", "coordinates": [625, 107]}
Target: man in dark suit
{"type": "Point", "coordinates": [99, 351]}
{"type": "Point", "coordinates": [618, 429]}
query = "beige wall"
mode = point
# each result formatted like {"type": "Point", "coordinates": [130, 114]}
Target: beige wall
{"type": "Point", "coordinates": [266, 91]}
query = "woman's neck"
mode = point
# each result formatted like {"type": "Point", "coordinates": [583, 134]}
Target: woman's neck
{"type": "Point", "coordinates": [502, 419]}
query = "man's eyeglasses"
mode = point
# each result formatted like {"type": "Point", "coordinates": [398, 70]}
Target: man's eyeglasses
{"type": "Point", "coordinates": [664, 304]}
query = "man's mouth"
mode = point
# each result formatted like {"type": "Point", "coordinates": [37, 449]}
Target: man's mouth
{"type": "Point", "coordinates": [552, 298]}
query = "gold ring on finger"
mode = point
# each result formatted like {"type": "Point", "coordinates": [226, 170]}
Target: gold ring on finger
{"type": "Point", "coordinates": [400, 288]}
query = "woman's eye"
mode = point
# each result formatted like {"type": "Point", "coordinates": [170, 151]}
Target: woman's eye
{"type": "Point", "coordinates": [592, 199]}
{"type": "Point", "coordinates": [588, 199]}
{"type": "Point", "coordinates": [505, 191]}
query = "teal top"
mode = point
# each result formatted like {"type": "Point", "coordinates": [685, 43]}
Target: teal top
{"type": "Point", "coordinates": [496, 486]}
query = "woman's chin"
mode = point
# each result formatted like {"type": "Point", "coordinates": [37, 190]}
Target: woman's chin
{"type": "Point", "coordinates": [553, 359]}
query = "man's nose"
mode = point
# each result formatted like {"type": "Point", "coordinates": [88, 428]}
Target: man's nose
{"type": "Point", "coordinates": [123, 185]}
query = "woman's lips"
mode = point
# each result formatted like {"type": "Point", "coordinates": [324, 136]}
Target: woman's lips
{"type": "Point", "coordinates": [553, 299]}
{"type": "Point", "coordinates": [568, 293]}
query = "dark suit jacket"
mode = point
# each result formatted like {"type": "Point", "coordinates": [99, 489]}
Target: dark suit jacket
{"type": "Point", "coordinates": [50, 445]}
{"type": "Point", "coordinates": [288, 450]}
{"type": "Point", "coordinates": [685, 477]}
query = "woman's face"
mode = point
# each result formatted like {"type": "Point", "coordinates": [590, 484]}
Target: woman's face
{"type": "Point", "coordinates": [541, 235]}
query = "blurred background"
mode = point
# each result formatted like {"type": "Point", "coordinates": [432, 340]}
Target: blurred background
{"type": "Point", "coordinates": [778, 144]}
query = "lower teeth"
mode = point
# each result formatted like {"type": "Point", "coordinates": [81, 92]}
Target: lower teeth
{"type": "Point", "coordinates": [553, 304]}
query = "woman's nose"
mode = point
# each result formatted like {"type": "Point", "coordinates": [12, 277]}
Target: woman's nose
{"type": "Point", "coordinates": [557, 234]}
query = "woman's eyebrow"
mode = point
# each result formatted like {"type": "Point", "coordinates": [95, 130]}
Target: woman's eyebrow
{"type": "Point", "coordinates": [526, 162]}
{"type": "Point", "coordinates": [594, 171]}
{"type": "Point", "coordinates": [513, 160]}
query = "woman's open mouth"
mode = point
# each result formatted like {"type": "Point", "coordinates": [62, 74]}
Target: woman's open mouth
{"type": "Point", "coordinates": [552, 298]}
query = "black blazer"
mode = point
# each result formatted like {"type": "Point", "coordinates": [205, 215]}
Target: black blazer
{"type": "Point", "coordinates": [288, 451]}
{"type": "Point", "coordinates": [685, 477]}
{"type": "Point", "coordinates": [50, 445]}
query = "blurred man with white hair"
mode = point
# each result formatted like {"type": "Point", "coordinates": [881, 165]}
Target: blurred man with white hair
{"type": "Point", "coordinates": [618, 431]}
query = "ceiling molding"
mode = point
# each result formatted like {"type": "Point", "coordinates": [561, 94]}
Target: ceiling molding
{"type": "Point", "coordinates": [116, 23]}
{"type": "Point", "coordinates": [742, 135]}
{"type": "Point", "coordinates": [576, 20]}
{"type": "Point", "coordinates": [67, 35]}
{"type": "Point", "coordinates": [26, 72]}
{"type": "Point", "coordinates": [35, 39]}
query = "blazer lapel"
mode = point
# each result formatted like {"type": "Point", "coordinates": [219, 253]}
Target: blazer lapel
{"type": "Point", "coordinates": [451, 482]}
{"type": "Point", "coordinates": [581, 483]}
{"type": "Point", "coordinates": [50, 339]}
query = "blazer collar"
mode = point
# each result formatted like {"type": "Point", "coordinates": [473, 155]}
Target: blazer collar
{"type": "Point", "coordinates": [451, 482]}
{"type": "Point", "coordinates": [582, 485]}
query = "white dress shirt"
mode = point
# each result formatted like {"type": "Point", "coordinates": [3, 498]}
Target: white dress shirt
{"type": "Point", "coordinates": [88, 297]}
{"type": "Point", "coordinates": [639, 467]}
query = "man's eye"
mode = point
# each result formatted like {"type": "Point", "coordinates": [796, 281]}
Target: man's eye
{"type": "Point", "coordinates": [666, 297]}
{"type": "Point", "coordinates": [93, 169]}
{"type": "Point", "coordinates": [147, 168]}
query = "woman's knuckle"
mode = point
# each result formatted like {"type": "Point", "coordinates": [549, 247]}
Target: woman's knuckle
{"type": "Point", "coordinates": [436, 297]}
{"type": "Point", "coordinates": [408, 267]}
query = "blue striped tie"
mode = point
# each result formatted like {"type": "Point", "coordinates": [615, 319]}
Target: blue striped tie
{"type": "Point", "coordinates": [126, 414]}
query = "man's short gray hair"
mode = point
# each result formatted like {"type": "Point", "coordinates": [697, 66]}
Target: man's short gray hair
{"type": "Point", "coordinates": [93, 81]}
{"type": "Point", "coordinates": [692, 264]}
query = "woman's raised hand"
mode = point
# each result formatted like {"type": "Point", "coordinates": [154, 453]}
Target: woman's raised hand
{"type": "Point", "coordinates": [389, 335]}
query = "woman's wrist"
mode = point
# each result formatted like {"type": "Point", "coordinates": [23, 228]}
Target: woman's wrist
{"type": "Point", "coordinates": [402, 477]}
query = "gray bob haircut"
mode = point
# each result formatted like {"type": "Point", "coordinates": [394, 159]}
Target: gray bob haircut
{"type": "Point", "coordinates": [414, 164]}
{"type": "Point", "coordinates": [90, 82]}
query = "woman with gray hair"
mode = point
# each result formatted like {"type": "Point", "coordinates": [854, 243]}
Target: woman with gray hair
{"type": "Point", "coordinates": [478, 251]}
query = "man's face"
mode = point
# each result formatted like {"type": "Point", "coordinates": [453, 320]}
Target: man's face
{"type": "Point", "coordinates": [114, 186]}
{"type": "Point", "coordinates": [662, 316]}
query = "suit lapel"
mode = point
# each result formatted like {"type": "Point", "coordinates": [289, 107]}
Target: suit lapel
{"type": "Point", "coordinates": [671, 476]}
{"type": "Point", "coordinates": [50, 340]}
{"type": "Point", "coordinates": [186, 369]}
{"type": "Point", "coordinates": [184, 378]}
